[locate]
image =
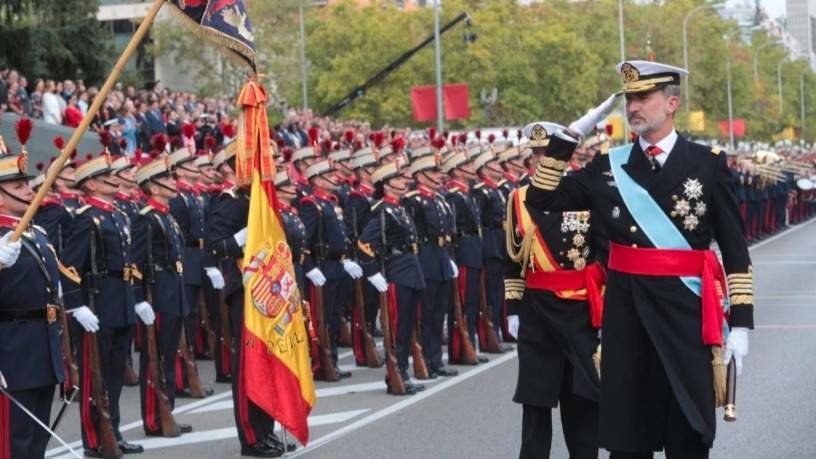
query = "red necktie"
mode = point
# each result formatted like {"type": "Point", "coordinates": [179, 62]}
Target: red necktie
{"type": "Point", "coordinates": [653, 151]}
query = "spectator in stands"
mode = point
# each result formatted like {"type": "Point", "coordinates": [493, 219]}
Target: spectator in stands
{"type": "Point", "coordinates": [52, 112]}
{"type": "Point", "coordinates": [72, 115]}
{"type": "Point", "coordinates": [130, 126]}
{"type": "Point", "coordinates": [13, 103]}
{"type": "Point", "coordinates": [37, 98]}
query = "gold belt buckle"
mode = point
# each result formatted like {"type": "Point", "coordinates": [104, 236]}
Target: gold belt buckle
{"type": "Point", "coordinates": [126, 274]}
{"type": "Point", "coordinates": [201, 243]}
{"type": "Point", "coordinates": [440, 241]}
{"type": "Point", "coordinates": [179, 267]}
{"type": "Point", "coordinates": [415, 248]}
{"type": "Point", "coordinates": [51, 313]}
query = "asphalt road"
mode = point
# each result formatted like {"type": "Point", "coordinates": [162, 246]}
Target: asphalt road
{"type": "Point", "coordinates": [472, 415]}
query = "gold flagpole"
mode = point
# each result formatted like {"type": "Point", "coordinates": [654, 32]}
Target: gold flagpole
{"type": "Point", "coordinates": [92, 111]}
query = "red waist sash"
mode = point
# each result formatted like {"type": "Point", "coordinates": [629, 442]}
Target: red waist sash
{"type": "Point", "coordinates": [592, 278]}
{"type": "Point", "coordinates": [678, 262]}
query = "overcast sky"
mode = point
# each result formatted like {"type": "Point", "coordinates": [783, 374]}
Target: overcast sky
{"type": "Point", "coordinates": [775, 8]}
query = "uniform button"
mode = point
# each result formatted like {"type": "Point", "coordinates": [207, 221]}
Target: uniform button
{"type": "Point", "coordinates": [634, 245]}
{"type": "Point", "coordinates": [633, 229]}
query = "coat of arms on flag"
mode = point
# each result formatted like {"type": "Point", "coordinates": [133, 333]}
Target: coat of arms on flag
{"type": "Point", "coordinates": [274, 291]}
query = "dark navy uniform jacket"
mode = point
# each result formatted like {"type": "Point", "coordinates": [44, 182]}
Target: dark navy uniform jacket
{"type": "Point", "coordinates": [108, 228]}
{"type": "Point", "coordinates": [55, 220]}
{"type": "Point", "coordinates": [30, 354]}
{"type": "Point", "coordinates": [296, 238]}
{"type": "Point", "coordinates": [156, 233]}
{"type": "Point", "coordinates": [229, 216]}
{"type": "Point", "coordinates": [492, 205]}
{"type": "Point", "coordinates": [127, 205]}
{"type": "Point", "coordinates": [468, 226]}
{"type": "Point", "coordinates": [325, 234]}
{"type": "Point", "coordinates": [400, 248]}
{"type": "Point", "coordinates": [433, 221]}
{"type": "Point", "coordinates": [188, 210]}
{"type": "Point", "coordinates": [356, 212]}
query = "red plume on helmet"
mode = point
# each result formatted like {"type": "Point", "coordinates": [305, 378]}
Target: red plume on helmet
{"type": "Point", "coordinates": [454, 140]}
{"type": "Point", "coordinates": [505, 134]}
{"type": "Point", "coordinates": [105, 138]}
{"type": "Point", "coordinates": [446, 134]}
{"type": "Point", "coordinates": [394, 133]}
{"type": "Point", "coordinates": [478, 134]}
{"type": "Point", "coordinates": [313, 133]}
{"type": "Point", "coordinates": [209, 142]}
{"type": "Point", "coordinates": [438, 143]}
{"type": "Point", "coordinates": [176, 142]}
{"type": "Point", "coordinates": [519, 134]}
{"type": "Point", "coordinates": [40, 166]}
{"type": "Point", "coordinates": [188, 129]}
{"type": "Point", "coordinates": [609, 129]}
{"type": "Point", "coordinates": [463, 138]}
{"type": "Point", "coordinates": [287, 153]}
{"type": "Point", "coordinates": [59, 142]}
{"type": "Point", "coordinates": [228, 131]}
{"type": "Point", "coordinates": [123, 143]}
{"type": "Point", "coordinates": [348, 135]}
{"type": "Point", "coordinates": [491, 138]}
{"type": "Point", "coordinates": [431, 134]}
{"type": "Point", "coordinates": [398, 144]}
{"type": "Point", "coordinates": [327, 145]}
{"type": "Point", "coordinates": [23, 127]}
{"type": "Point", "coordinates": [379, 137]}
{"type": "Point", "coordinates": [335, 146]}
{"type": "Point", "coordinates": [158, 142]}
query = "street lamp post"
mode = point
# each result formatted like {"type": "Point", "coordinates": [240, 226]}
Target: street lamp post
{"type": "Point", "coordinates": [756, 60]}
{"type": "Point", "coordinates": [440, 115]}
{"type": "Point", "coordinates": [779, 81]}
{"type": "Point", "coordinates": [802, 102]}
{"type": "Point", "coordinates": [685, 45]}
{"type": "Point", "coordinates": [303, 59]}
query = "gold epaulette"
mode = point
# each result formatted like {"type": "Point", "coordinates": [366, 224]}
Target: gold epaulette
{"type": "Point", "coordinates": [70, 272]}
{"type": "Point", "coordinates": [82, 209]}
{"type": "Point", "coordinates": [716, 150]}
{"type": "Point", "coordinates": [145, 210]}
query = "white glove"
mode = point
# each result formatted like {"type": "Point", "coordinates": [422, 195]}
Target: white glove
{"type": "Point", "coordinates": [317, 277]}
{"type": "Point", "coordinates": [737, 346]}
{"type": "Point", "coordinates": [353, 269]}
{"type": "Point", "coordinates": [3, 383]}
{"type": "Point", "coordinates": [379, 282]}
{"type": "Point", "coordinates": [86, 318]}
{"type": "Point", "coordinates": [9, 251]}
{"type": "Point", "coordinates": [216, 278]}
{"type": "Point", "coordinates": [455, 269]}
{"type": "Point", "coordinates": [240, 237]}
{"type": "Point", "coordinates": [145, 312]}
{"type": "Point", "coordinates": [584, 125]}
{"type": "Point", "coordinates": [513, 325]}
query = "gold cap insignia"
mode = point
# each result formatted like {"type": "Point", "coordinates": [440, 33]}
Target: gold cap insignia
{"type": "Point", "coordinates": [538, 133]}
{"type": "Point", "coordinates": [629, 73]}
{"type": "Point", "coordinates": [22, 163]}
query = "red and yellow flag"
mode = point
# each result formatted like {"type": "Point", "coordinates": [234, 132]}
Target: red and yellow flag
{"type": "Point", "coordinates": [277, 373]}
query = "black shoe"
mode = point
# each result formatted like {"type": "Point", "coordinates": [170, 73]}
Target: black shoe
{"type": "Point", "coordinates": [93, 452]}
{"type": "Point", "coordinates": [184, 394]}
{"type": "Point", "coordinates": [223, 379]}
{"type": "Point", "coordinates": [208, 391]}
{"type": "Point", "coordinates": [431, 375]}
{"type": "Point", "coordinates": [410, 389]}
{"type": "Point", "coordinates": [130, 448]}
{"type": "Point", "coordinates": [261, 450]}
{"type": "Point", "coordinates": [482, 359]}
{"type": "Point", "coordinates": [273, 440]}
{"type": "Point", "coordinates": [184, 428]}
{"type": "Point", "coordinates": [342, 374]}
{"type": "Point", "coordinates": [409, 386]}
{"type": "Point", "coordinates": [444, 371]}
{"type": "Point", "coordinates": [376, 333]}
{"type": "Point", "coordinates": [204, 356]}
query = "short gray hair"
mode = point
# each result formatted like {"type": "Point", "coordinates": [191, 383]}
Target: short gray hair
{"type": "Point", "coordinates": [671, 90]}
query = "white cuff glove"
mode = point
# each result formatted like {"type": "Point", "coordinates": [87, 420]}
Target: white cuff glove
{"type": "Point", "coordinates": [216, 278]}
{"type": "Point", "coordinates": [145, 313]}
{"type": "Point", "coordinates": [3, 383]}
{"type": "Point", "coordinates": [736, 346]}
{"type": "Point", "coordinates": [455, 269]}
{"type": "Point", "coordinates": [513, 325]}
{"type": "Point", "coordinates": [9, 251]}
{"type": "Point", "coordinates": [584, 125]}
{"type": "Point", "coordinates": [317, 277]}
{"type": "Point", "coordinates": [86, 318]}
{"type": "Point", "coordinates": [353, 269]}
{"type": "Point", "coordinates": [379, 282]}
{"type": "Point", "coordinates": [240, 237]}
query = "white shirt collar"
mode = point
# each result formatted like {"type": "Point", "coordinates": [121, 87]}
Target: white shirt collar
{"type": "Point", "coordinates": [666, 144]}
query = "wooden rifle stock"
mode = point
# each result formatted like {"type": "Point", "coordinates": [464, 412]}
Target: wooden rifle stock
{"type": "Point", "coordinates": [323, 337]}
{"type": "Point", "coordinates": [487, 330]}
{"type": "Point", "coordinates": [393, 376]}
{"type": "Point", "coordinates": [731, 392]}
{"type": "Point", "coordinates": [72, 382]}
{"type": "Point", "coordinates": [196, 390]}
{"type": "Point", "coordinates": [206, 325]}
{"type": "Point", "coordinates": [314, 347]}
{"type": "Point", "coordinates": [345, 331]}
{"type": "Point", "coordinates": [372, 357]}
{"type": "Point", "coordinates": [420, 369]}
{"type": "Point", "coordinates": [468, 353]}
{"type": "Point", "coordinates": [104, 426]}
{"type": "Point", "coordinates": [155, 379]}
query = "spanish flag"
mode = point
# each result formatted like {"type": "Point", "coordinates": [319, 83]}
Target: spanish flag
{"type": "Point", "coordinates": [277, 372]}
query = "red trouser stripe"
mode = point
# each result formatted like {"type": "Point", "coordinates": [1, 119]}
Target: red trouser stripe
{"type": "Point", "coordinates": [394, 310]}
{"type": "Point", "coordinates": [243, 402]}
{"type": "Point", "coordinates": [87, 425]}
{"type": "Point", "coordinates": [5, 430]}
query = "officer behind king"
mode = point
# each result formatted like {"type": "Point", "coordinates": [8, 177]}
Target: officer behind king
{"type": "Point", "coordinates": [30, 357]}
{"type": "Point", "coordinates": [660, 200]}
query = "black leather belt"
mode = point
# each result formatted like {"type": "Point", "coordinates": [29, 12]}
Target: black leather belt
{"type": "Point", "coordinates": [195, 243]}
{"type": "Point", "coordinates": [177, 268]}
{"type": "Point", "coordinates": [49, 314]}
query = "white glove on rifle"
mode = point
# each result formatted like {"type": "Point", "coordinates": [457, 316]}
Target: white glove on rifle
{"type": "Point", "coordinates": [145, 313]}
{"type": "Point", "coordinates": [86, 318]}
{"type": "Point", "coordinates": [584, 125]}
{"type": "Point", "coordinates": [353, 269]}
{"type": "Point", "coordinates": [317, 277]}
{"type": "Point", "coordinates": [240, 237]}
{"type": "Point", "coordinates": [3, 382]}
{"type": "Point", "coordinates": [455, 269]}
{"type": "Point", "coordinates": [9, 251]}
{"type": "Point", "coordinates": [736, 346]}
{"type": "Point", "coordinates": [379, 282]}
{"type": "Point", "coordinates": [216, 278]}
{"type": "Point", "coordinates": [513, 325]}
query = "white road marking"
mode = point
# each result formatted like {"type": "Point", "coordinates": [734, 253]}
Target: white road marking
{"type": "Point", "coordinates": [788, 231]}
{"type": "Point", "coordinates": [411, 400]}
{"type": "Point", "coordinates": [230, 432]}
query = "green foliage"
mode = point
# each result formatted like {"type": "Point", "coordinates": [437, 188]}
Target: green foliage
{"type": "Point", "coordinates": [41, 37]}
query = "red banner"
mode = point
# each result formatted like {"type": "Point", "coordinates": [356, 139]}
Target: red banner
{"type": "Point", "coordinates": [454, 98]}
{"type": "Point", "coordinates": [739, 128]}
